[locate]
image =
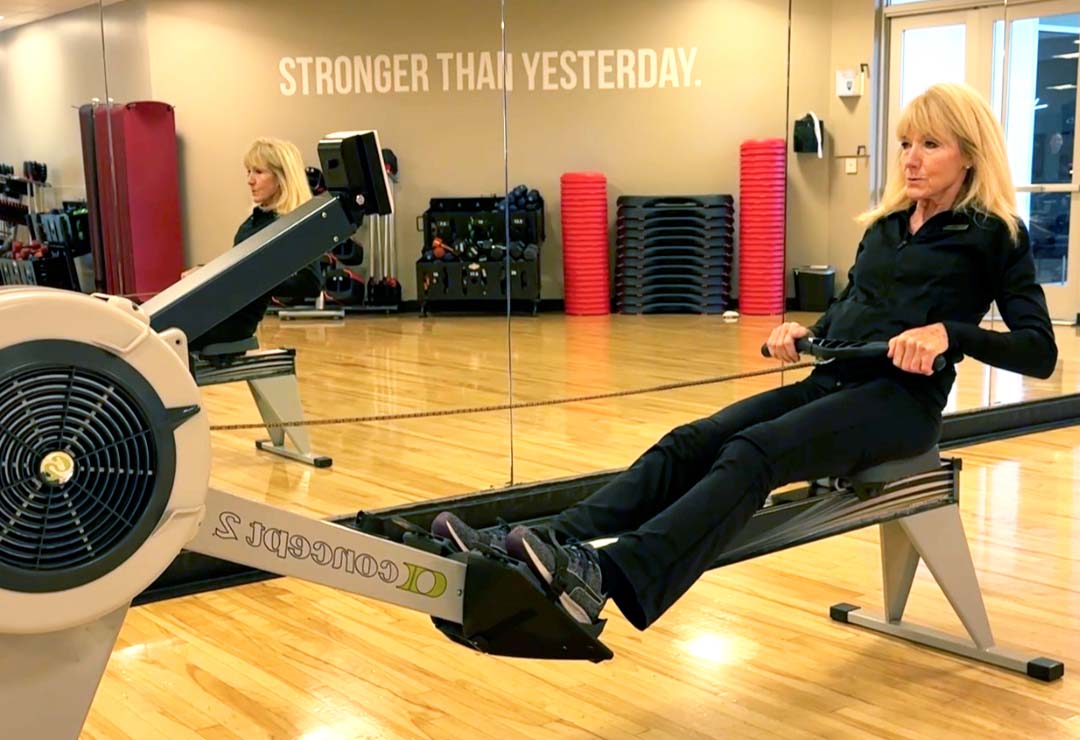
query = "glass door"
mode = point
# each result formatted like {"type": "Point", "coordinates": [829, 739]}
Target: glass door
{"type": "Point", "coordinates": [926, 49]}
{"type": "Point", "coordinates": [1026, 65]}
{"type": "Point", "coordinates": [1041, 47]}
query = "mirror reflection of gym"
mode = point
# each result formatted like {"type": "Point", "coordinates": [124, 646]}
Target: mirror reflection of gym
{"type": "Point", "coordinates": [49, 66]}
{"type": "Point", "coordinates": [382, 363]}
{"type": "Point", "coordinates": [625, 131]}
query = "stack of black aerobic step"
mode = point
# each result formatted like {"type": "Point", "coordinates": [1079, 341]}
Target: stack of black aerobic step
{"type": "Point", "coordinates": [674, 253]}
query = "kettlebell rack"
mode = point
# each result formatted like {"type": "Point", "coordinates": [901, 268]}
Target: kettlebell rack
{"type": "Point", "coordinates": [479, 251]}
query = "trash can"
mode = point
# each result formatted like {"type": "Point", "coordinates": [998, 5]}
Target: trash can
{"type": "Point", "coordinates": [814, 286]}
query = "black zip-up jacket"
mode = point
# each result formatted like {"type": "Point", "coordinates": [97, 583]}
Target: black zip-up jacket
{"type": "Point", "coordinates": [949, 272]}
{"type": "Point", "coordinates": [304, 284]}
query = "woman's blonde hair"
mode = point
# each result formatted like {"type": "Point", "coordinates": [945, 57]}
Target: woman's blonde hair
{"type": "Point", "coordinates": [956, 111]}
{"type": "Point", "coordinates": [283, 159]}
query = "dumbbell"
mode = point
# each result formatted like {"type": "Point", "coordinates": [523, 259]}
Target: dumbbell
{"type": "Point", "coordinates": [390, 160]}
{"type": "Point", "coordinates": [497, 253]}
{"type": "Point", "coordinates": [33, 250]}
{"type": "Point", "coordinates": [349, 252]}
{"type": "Point", "coordinates": [344, 286]}
{"type": "Point", "coordinates": [35, 171]}
{"type": "Point", "coordinates": [531, 253]}
{"type": "Point", "coordinates": [470, 251]}
{"type": "Point", "coordinates": [516, 197]}
{"type": "Point", "coordinates": [532, 201]}
{"type": "Point", "coordinates": [443, 251]}
{"type": "Point", "coordinates": [517, 250]}
{"type": "Point", "coordinates": [376, 293]}
{"type": "Point", "coordinates": [316, 181]}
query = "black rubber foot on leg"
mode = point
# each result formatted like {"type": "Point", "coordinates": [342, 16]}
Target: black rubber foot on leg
{"type": "Point", "coordinates": [1046, 669]}
{"type": "Point", "coordinates": [323, 461]}
{"type": "Point", "coordinates": [839, 612]}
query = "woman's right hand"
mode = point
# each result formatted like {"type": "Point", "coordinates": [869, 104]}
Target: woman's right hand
{"type": "Point", "coordinates": [781, 342]}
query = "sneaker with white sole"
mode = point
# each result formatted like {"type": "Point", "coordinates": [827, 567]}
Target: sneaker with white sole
{"type": "Point", "coordinates": [572, 570]}
{"type": "Point", "coordinates": [449, 526]}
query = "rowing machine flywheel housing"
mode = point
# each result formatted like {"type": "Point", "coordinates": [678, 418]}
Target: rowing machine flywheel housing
{"type": "Point", "coordinates": [104, 456]}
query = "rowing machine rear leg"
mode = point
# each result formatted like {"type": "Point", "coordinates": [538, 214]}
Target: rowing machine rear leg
{"type": "Point", "coordinates": [937, 536]}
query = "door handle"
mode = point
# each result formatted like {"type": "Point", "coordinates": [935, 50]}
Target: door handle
{"type": "Point", "coordinates": [1050, 188]}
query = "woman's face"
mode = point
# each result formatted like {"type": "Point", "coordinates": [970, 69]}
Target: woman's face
{"type": "Point", "coordinates": [263, 185]}
{"type": "Point", "coordinates": [934, 168]}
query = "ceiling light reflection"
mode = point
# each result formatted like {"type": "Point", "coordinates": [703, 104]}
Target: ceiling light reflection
{"type": "Point", "coordinates": [718, 649]}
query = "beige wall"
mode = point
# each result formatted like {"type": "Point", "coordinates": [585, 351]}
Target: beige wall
{"type": "Point", "coordinates": [829, 35]}
{"type": "Point", "coordinates": [672, 141]}
{"type": "Point", "coordinates": [218, 63]}
{"type": "Point", "coordinates": [849, 195]}
{"type": "Point", "coordinates": [127, 58]}
{"type": "Point", "coordinates": [808, 176]}
{"type": "Point", "coordinates": [49, 68]}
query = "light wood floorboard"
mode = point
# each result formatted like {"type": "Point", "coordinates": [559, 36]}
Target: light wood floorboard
{"type": "Point", "coordinates": [748, 652]}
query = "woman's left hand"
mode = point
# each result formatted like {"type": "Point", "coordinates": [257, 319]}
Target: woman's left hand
{"type": "Point", "coordinates": [915, 350]}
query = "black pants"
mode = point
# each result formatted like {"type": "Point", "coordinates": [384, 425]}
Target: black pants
{"type": "Point", "coordinates": [685, 499]}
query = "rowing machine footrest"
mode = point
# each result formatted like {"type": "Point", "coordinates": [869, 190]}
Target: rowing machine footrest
{"type": "Point", "coordinates": [508, 612]}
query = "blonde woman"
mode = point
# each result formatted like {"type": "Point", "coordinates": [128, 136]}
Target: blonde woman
{"type": "Point", "coordinates": [943, 244]}
{"type": "Point", "coordinates": [278, 184]}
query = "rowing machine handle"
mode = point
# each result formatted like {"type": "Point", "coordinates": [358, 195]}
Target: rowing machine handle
{"type": "Point", "coordinates": [839, 349]}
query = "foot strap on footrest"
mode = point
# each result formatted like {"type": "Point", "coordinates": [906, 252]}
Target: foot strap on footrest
{"type": "Point", "coordinates": [508, 612]}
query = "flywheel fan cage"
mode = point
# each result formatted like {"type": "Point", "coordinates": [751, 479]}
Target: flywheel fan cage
{"type": "Point", "coordinates": [81, 466]}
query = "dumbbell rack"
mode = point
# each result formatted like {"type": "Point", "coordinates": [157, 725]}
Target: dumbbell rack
{"type": "Point", "coordinates": [674, 253]}
{"type": "Point", "coordinates": [469, 277]}
{"type": "Point", "coordinates": [19, 199]}
{"type": "Point", "coordinates": [348, 277]}
{"type": "Point", "coordinates": [23, 203]}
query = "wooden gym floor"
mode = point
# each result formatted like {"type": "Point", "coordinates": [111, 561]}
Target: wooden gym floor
{"type": "Point", "coordinates": [748, 652]}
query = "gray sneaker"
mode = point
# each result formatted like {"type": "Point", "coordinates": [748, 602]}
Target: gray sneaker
{"type": "Point", "coordinates": [572, 570]}
{"type": "Point", "coordinates": [450, 526]}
